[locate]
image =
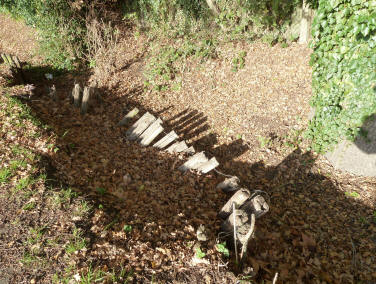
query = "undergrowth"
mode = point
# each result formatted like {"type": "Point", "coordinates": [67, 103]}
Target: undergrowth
{"type": "Point", "coordinates": [163, 65]}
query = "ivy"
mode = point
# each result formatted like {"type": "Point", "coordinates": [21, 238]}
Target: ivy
{"type": "Point", "coordinates": [344, 70]}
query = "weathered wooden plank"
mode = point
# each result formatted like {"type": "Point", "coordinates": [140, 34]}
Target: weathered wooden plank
{"type": "Point", "coordinates": [208, 166]}
{"type": "Point", "coordinates": [238, 198]}
{"type": "Point", "coordinates": [166, 140]}
{"type": "Point", "coordinates": [86, 99]}
{"type": "Point", "coordinates": [4, 57]}
{"type": "Point", "coordinates": [18, 66]}
{"type": "Point", "coordinates": [177, 147]}
{"type": "Point", "coordinates": [229, 184]}
{"type": "Point", "coordinates": [17, 62]}
{"type": "Point", "coordinates": [194, 162]}
{"type": "Point", "coordinates": [128, 116]}
{"type": "Point", "coordinates": [77, 95]}
{"type": "Point", "coordinates": [151, 132]}
{"type": "Point", "coordinates": [140, 126]}
{"type": "Point", "coordinates": [10, 60]}
{"type": "Point", "coordinates": [190, 150]}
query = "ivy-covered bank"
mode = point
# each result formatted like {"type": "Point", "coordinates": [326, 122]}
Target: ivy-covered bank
{"type": "Point", "coordinates": [344, 70]}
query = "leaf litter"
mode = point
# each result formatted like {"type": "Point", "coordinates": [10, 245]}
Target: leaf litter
{"type": "Point", "coordinates": [314, 232]}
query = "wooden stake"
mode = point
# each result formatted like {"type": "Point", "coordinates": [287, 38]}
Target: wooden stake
{"type": "Point", "coordinates": [76, 95]}
{"type": "Point", "coordinates": [86, 99]}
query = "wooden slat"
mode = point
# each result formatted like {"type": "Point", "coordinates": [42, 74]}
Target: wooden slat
{"type": "Point", "coordinates": [194, 162]}
{"type": "Point", "coordinates": [128, 116]}
{"type": "Point", "coordinates": [10, 60]}
{"type": "Point", "coordinates": [3, 56]}
{"type": "Point", "coordinates": [166, 140]}
{"type": "Point", "coordinates": [208, 166]}
{"type": "Point", "coordinates": [177, 147]}
{"type": "Point", "coordinates": [17, 62]}
{"type": "Point", "coordinates": [140, 126]}
{"type": "Point", "coordinates": [190, 150]}
{"type": "Point", "coordinates": [151, 132]}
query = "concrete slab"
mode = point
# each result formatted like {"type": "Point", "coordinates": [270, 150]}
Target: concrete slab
{"type": "Point", "coordinates": [358, 157]}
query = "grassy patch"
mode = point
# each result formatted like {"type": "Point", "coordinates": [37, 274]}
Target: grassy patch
{"type": "Point", "coordinates": [5, 174]}
{"type": "Point", "coordinates": [29, 206]}
{"type": "Point", "coordinates": [352, 194]}
{"type": "Point", "coordinates": [23, 183]}
{"type": "Point", "coordinates": [163, 66]}
{"type": "Point", "coordinates": [29, 259]}
{"type": "Point", "coordinates": [76, 243]}
{"type": "Point", "coordinates": [238, 62]}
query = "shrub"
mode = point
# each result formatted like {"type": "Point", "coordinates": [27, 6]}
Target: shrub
{"type": "Point", "coordinates": [70, 31]}
{"type": "Point", "coordinates": [344, 73]}
{"type": "Point", "coordinates": [236, 17]}
{"type": "Point", "coordinates": [61, 27]}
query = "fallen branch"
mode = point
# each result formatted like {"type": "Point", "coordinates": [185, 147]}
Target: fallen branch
{"type": "Point", "coordinates": [247, 237]}
{"type": "Point", "coordinates": [234, 220]}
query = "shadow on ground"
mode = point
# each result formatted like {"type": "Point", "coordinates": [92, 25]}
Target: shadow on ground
{"type": "Point", "coordinates": [314, 231]}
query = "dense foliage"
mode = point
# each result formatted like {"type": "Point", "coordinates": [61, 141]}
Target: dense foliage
{"type": "Point", "coordinates": [344, 70]}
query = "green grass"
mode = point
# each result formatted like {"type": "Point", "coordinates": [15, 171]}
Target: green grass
{"type": "Point", "coordinates": [64, 196]}
{"type": "Point", "coordinates": [17, 164]}
{"type": "Point", "coordinates": [23, 183]}
{"type": "Point", "coordinates": [162, 67]}
{"type": "Point", "coordinates": [352, 194]}
{"type": "Point", "coordinates": [238, 62]}
{"type": "Point", "coordinates": [35, 235]}
{"type": "Point", "coordinates": [29, 259]}
{"type": "Point", "coordinates": [29, 206]}
{"type": "Point", "coordinates": [5, 174]}
{"type": "Point", "coordinates": [83, 208]}
{"type": "Point", "coordinates": [264, 141]}
{"type": "Point", "coordinates": [76, 243]}
{"type": "Point", "coordinates": [100, 276]}
{"type": "Point", "coordinates": [25, 112]}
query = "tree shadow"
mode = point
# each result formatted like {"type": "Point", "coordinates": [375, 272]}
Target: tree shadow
{"type": "Point", "coordinates": [314, 231]}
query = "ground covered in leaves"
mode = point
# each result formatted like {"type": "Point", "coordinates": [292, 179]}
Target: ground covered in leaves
{"type": "Point", "coordinates": [80, 203]}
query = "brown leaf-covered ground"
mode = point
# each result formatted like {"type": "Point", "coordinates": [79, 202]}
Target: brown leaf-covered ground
{"type": "Point", "coordinates": [321, 227]}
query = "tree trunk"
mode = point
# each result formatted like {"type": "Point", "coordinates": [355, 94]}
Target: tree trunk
{"type": "Point", "coordinates": [305, 24]}
{"type": "Point", "coordinates": [213, 6]}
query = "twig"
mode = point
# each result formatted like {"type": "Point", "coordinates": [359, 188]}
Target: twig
{"type": "Point", "coordinates": [234, 216]}
{"type": "Point", "coordinates": [353, 253]}
{"type": "Point", "coordinates": [222, 174]}
{"type": "Point", "coordinates": [275, 278]}
{"type": "Point", "coordinates": [247, 237]}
